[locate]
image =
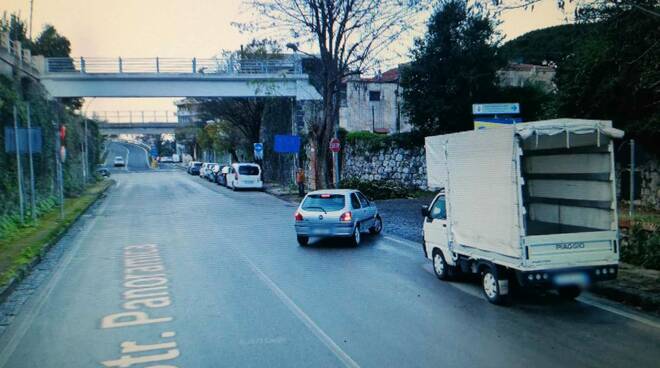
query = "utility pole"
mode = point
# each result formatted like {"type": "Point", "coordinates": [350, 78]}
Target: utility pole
{"type": "Point", "coordinates": [31, 6]}
{"type": "Point", "coordinates": [33, 194]}
{"type": "Point", "coordinates": [58, 169]}
{"type": "Point", "coordinates": [632, 179]}
{"type": "Point", "coordinates": [86, 152]}
{"type": "Point", "coordinates": [19, 169]}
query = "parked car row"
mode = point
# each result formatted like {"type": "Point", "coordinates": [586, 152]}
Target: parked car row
{"type": "Point", "coordinates": [234, 176]}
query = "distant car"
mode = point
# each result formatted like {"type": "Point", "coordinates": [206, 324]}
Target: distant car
{"type": "Point", "coordinates": [119, 161]}
{"type": "Point", "coordinates": [103, 171]}
{"type": "Point", "coordinates": [211, 169]}
{"type": "Point", "coordinates": [336, 213]}
{"type": "Point", "coordinates": [202, 169]}
{"type": "Point", "coordinates": [193, 167]}
{"type": "Point", "coordinates": [165, 159]}
{"type": "Point", "coordinates": [221, 177]}
{"type": "Point", "coordinates": [244, 176]}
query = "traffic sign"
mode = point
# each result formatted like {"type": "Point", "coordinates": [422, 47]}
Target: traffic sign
{"type": "Point", "coordinates": [286, 143]}
{"type": "Point", "coordinates": [335, 145]}
{"type": "Point", "coordinates": [496, 109]}
{"type": "Point", "coordinates": [258, 147]}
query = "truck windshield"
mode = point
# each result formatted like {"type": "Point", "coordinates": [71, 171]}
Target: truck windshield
{"type": "Point", "coordinates": [323, 202]}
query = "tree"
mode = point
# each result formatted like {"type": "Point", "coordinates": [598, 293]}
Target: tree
{"type": "Point", "coordinates": [453, 67]}
{"type": "Point", "coordinates": [349, 35]}
{"type": "Point", "coordinates": [50, 43]}
{"type": "Point", "coordinates": [614, 72]}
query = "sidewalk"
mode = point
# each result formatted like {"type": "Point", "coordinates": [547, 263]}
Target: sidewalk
{"type": "Point", "coordinates": [634, 286]}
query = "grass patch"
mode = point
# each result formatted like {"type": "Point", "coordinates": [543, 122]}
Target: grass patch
{"type": "Point", "coordinates": [24, 243]}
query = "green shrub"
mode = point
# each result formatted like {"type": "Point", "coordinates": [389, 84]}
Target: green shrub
{"type": "Point", "coordinates": [376, 189]}
{"type": "Point", "coordinates": [373, 142]}
{"type": "Point", "coordinates": [642, 248]}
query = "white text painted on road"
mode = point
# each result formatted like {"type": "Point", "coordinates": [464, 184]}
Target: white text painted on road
{"type": "Point", "coordinates": [145, 283]}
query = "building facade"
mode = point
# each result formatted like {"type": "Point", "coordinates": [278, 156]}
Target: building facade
{"type": "Point", "coordinates": [520, 75]}
{"type": "Point", "coordinates": [373, 104]}
{"type": "Point", "coordinates": [187, 111]}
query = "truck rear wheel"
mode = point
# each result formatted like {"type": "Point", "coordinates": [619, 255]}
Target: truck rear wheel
{"type": "Point", "coordinates": [490, 285]}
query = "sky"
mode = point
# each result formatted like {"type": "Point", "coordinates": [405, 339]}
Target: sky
{"type": "Point", "coordinates": [184, 28]}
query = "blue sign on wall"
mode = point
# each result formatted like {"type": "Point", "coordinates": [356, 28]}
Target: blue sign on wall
{"type": "Point", "coordinates": [287, 143]}
{"type": "Point", "coordinates": [35, 137]}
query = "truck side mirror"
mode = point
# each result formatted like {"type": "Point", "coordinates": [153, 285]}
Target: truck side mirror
{"type": "Point", "coordinates": [425, 211]}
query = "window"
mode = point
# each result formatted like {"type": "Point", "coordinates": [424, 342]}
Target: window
{"type": "Point", "coordinates": [374, 95]}
{"type": "Point", "coordinates": [355, 202]}
{"type": "Point", "coordinates": [439, 210]}
{"type": "Point", "coordinates": [324, 202]}
{"type": "Point", "coordinates": [363, 200]}
{"type": "Point", "coordinates": [248, 170]}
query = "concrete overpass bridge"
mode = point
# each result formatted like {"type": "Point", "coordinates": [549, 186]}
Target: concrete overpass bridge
{"type": "Point", "coordinates": [139, 122]}
{"type": "Point", "coordinates": [175, 77]}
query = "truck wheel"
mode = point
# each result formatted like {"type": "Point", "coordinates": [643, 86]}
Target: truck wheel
{"type": "Point", "coordinates": [569, 292]}
{"type": "Point", "coordinates": [302, 240]}
{"type": "Point", "coordinates": [442, 270]}
{"type": "Point", "coordinates": [491, 287]}
{"type": "Point", "coordinates": [378, 226]}
{"type": "Point", "coordinates": [355, 239]}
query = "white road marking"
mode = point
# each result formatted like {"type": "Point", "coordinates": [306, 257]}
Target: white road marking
{"type": "Point", "coordinates": [128, 154]}
{"type": "Point", "coordinates": [635, 317]}
{"type": "Point", "coordinates": [407, 243]}
{"type": "Point", "coordinates": [32, 311]}
{"type": "Point", "coordinates": [303, 317]}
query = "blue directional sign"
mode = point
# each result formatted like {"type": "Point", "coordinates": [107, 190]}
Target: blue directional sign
{"type": "Point", "coordinates": [258, 147]}
{"type": "Point", "coordinates": [35, 140]}
{"type": "Point", "coordinates": [287, 143]}
{"type": "Point", "coordinates": [496, 109]}
{"type": "Point", "coordinates": [154, 151]}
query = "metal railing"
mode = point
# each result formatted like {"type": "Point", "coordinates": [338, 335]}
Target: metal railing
{"type": "Point", "coordinates": [16, 49]}
{"type": "Point", "coordinates": [99, 65]}
{"type": "Point", "coordinates": [142, 116]}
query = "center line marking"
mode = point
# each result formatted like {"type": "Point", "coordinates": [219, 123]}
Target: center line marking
{"type": "Point", "coordinates": [304, 318]}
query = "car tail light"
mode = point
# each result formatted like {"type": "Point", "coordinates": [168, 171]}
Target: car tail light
{"type": "Point", "coordinates": [298, 216]}
{"type": "Point", "coordinates": [346, 217]}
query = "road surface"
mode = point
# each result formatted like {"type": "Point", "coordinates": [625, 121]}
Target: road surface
{"type": "Point", "coordinates": [172, 271]}
{"type": "Point", "coordinates": [136, 157]}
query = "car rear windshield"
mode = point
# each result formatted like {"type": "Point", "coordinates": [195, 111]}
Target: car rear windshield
{"type": "Point", "coordinates": [323, 202]}
{"type": "Point", "coordinates": [198, 164]}
{"type": "Point", "coordinates": [248, 170]}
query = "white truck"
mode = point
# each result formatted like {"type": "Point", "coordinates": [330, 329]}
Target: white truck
{"type": "Point", "coordinates": [532, 203]}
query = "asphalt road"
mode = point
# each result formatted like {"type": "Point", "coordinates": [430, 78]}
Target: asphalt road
{"type": "Point", "coordinates": [136, 157]}
{"type": "Point", "coordinates": [228, 286]}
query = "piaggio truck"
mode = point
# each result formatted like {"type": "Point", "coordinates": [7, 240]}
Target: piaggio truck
{"type": "Point", "coordinates": [531, 203]}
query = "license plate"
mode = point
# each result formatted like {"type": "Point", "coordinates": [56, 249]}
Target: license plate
{"type": "Point", "coordinates": [248, 182]}
{"type": "Point", "coordinates": [322, 231]}
{"type": "Point", "coordinates": [576, 278]}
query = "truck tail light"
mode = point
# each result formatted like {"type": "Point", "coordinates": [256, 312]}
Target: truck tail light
{"type": "Point", "coordinates": [298, 216]}
{"type": "Point", "coordinates": [346, 217]}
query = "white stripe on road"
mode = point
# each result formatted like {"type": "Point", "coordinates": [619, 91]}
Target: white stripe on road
{"type": "Point", "coordinates": [303, 317]}
{"type": "Point", "coordinates": [617, 311]}
{"type": "Point", "coordinates": [407, 243]}
{"type": "Point", "coordinates": [128, 153]}
{"type": "Point", "coordinates": [32, 311]}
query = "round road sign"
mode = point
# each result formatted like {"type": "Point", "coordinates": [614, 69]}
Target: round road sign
{"type": "Point", "coordinates": [335, 146]}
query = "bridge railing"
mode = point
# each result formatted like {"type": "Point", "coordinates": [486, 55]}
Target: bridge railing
{"type": "Point", "coordinates": [99, 65]}
{"type": "Point", "coordinates": [142, 116]}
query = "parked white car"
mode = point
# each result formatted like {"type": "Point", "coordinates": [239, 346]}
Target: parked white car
{"type": "Point", "coordinates": [119, 161]}
{"type": "Point", "coordinates": [203, 170]}
{"type": "Point", "coordinates": [244, 176]}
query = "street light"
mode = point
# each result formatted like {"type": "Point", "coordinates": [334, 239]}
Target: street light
{"type": "Point", "coordinates": [335, 124]}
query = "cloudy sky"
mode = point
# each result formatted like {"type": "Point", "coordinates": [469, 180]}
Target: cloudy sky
{"type": "Point", "coordinates": [182, 28]}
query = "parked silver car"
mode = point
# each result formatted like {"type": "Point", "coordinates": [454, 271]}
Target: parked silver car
{"type": "Point", "coordinates": [336, 213]}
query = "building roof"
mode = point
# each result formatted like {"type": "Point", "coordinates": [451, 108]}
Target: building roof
{"type": "Point", "coordinates": [389, 76]}
{"type": "Point", "coordinates": [528, 67]}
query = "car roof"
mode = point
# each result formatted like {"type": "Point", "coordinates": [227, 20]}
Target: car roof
{"type": "Point", "coordinates": [334, 191]}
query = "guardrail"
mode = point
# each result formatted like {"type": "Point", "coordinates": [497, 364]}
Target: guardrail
{"type": "Point", "coordinates": [16, 49]}
{"type": "Point", "coordinates": [145, 116]}
{"type": "Point", "coordinates": [99, 65]}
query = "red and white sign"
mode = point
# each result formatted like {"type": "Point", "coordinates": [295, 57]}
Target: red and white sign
{"type": "Point", "coordinates": [335, 145]}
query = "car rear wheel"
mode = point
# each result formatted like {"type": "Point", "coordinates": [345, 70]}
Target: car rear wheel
{"type": "Point", "coordinates": [356, 237]}
{"type": "Point", "coordinates": [302, 240]}
{"type": "Point", "coordinates": [377, 227]}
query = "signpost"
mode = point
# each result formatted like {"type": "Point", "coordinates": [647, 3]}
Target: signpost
{"type": "Point", "coordinates": [258, 151]}
{"type": "Point", "coordinates": [495, 115]}
{"type": "Point", "coordinates": [335, 145]}
{"type": "Point", "coordinates": [496, 109]}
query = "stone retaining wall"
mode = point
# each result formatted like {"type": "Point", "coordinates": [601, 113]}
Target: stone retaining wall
{"type": "Point", "coordinates": [401, 166]}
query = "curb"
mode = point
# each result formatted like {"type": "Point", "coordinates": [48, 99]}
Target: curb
{"type": "Point", "coordinates": [24, 271]}
{"type": "Point", "coordinates": [643, 301]}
